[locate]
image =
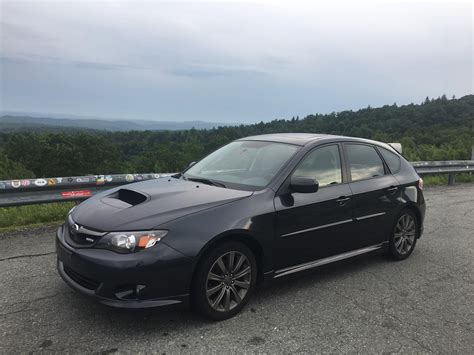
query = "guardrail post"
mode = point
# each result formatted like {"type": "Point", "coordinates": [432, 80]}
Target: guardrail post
{"type": "Point", "coordinates": [451, 178]}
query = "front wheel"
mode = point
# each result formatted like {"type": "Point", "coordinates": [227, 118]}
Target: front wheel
{"type": "Point", "coordinates": [404, 235]}
{"type": "Point", "coordinates": [224, 281]}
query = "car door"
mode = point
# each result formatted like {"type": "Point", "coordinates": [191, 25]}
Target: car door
{"type": "Point", "coordinates": [311, 226]}
{"type": "Point", "coordinates": [374, 194]}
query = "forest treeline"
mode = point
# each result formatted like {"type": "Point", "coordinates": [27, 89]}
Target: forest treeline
{"type": "Point", "coordinates": [436, 129]}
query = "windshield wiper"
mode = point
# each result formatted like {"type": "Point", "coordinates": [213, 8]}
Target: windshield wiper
{"type": "Point", "coordinates": [205, 181]}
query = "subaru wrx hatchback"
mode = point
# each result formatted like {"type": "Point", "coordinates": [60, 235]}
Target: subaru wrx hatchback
{"type": "Point", "coordinates": [257, 209]}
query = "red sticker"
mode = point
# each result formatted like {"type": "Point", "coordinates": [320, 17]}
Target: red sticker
{"type": "Point", "coordinates": [82, 193]}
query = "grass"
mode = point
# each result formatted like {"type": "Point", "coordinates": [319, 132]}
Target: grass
{"type": "Point", "coordinates": [12, 218]}
{"type": "Point", "coordinates": [431, 180]}
{"type": "Point", "coordinates": [21, 216]}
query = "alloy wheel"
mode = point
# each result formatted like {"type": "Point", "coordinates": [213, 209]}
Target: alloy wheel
{"type": "Point", "coordinates": [228, 281]}
{"type": "Point", "coordinates": [405, 233]}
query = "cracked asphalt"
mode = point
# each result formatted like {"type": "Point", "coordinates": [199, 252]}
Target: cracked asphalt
{"type": "Point", "coordinates": [424, 304]}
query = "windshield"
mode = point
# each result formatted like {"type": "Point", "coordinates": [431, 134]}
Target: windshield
{"type": "Point", "coordinates": [243, 164]}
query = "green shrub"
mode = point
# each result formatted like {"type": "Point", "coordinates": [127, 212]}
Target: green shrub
{"type": "Point", "coordinates": [33, 214]}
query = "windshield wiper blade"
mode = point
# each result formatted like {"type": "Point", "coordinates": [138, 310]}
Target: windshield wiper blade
{"type": "Point", "coordinates": [206, 181]}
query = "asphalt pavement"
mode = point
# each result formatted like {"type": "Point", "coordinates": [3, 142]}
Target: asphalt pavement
{"type": "Point", "coordinates": [424, 304]}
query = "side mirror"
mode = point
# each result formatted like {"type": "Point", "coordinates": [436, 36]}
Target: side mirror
{"type": "Point", "coordinates": [191, 164]}
{"type": "Point", "coordinates": [303, 184]}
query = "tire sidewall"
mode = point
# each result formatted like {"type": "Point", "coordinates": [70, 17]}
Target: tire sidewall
{"type": "Point", "coordinates": [198, 295]}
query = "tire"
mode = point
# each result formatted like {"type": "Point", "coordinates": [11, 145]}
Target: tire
{"type": "Point", "coordinates": [405, 233]}
{"type": "Point", "coordinates": [221, 288]}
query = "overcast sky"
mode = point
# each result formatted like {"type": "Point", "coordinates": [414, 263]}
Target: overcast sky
{"type": "Point", "coordinates": [230, 62]}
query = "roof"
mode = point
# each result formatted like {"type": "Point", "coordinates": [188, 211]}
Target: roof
{"type": "Point", "coordinates": [306, 138]}
{"type": "Point", "coordinates": [291, 138]}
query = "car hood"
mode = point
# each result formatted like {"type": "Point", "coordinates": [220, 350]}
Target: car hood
{"type": "Point", "coordinates": [148, 204]}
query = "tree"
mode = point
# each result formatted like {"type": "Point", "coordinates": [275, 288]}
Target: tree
{"type": "Point", "coordinates": [10, 170]}
{"type": "Point", "coordinates": [436, 129]}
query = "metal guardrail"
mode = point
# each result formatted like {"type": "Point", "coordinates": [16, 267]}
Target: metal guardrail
{"type": "Point", "coordinates": [60, 189]}
{"type": "Point", "coordinates": [450, 167]}
{"type": "Point", "coordinates": [76, 188]}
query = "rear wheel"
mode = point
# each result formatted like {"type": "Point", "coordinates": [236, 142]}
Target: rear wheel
{"type": "Point", "coordinates": [404, 235]}
{"type": "Point", "coordinates": [224, 280]}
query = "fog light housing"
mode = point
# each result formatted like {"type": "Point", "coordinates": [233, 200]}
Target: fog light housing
{"type": "Point", "coordinates": [129, 292]}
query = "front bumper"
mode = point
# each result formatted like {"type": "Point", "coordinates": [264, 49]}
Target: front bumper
{"type": "Point", "coordinates": [160, 276]}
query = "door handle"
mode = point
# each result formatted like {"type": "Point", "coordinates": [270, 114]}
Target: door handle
{"type": "Point", "coordinates": [392, 189]}
{"type": "Point", "coordinates": [341, 201]}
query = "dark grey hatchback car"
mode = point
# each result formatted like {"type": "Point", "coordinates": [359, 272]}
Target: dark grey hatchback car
{"type": "Point", "coordinates": [257, 209]}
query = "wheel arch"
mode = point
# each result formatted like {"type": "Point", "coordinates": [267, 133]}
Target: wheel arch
{"type": "Point", "coordinates": [414, 208]}
{"type": "Point", "coordinates": [238, 235]}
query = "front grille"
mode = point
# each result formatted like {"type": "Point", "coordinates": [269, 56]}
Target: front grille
{"type": "Point", "coordinates": [82, 238]}
{"type": "Point", "coordinates": [82, 280]}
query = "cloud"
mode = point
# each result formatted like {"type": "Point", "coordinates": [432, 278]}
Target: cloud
{"type": "Point", "coordinates": [238, 61]}
{"type": "Point", "coordinates": [32, 59]}
{"type": "Point", "coordinates": [21, 32]}
{"type": "Point", "coordinates": [105, 66]}
{"type": "Point", "coordinates": [210, 70]}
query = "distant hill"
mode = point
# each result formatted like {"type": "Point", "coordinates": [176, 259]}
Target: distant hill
{"type": "Point", "coordinates": [26, 123]}
{"type": "Point", "coordinates": [436, 129]}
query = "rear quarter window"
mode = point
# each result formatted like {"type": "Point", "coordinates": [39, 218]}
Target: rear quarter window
{"type": "Point", "coordinates": [392, 159]}
{"type": "Point", "coordinates": [364, 161]}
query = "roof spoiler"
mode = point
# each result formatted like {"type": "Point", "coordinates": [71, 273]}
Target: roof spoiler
{"type": "Point", "coordinates": [396, 146]}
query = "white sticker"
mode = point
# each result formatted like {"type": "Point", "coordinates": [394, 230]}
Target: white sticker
{"type": "Point", "coordinates": [40, 182]}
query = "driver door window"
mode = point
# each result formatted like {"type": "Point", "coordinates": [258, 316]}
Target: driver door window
{"type": "Point", "coordinates": [322, 164]}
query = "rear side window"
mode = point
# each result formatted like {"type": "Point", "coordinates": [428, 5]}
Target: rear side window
{"type": "Point", "coordinates": [364, 162]}
{"type": "Point", "coordinates": [322, 164]}
{"type": "Point", "coordinates": [392, 160]}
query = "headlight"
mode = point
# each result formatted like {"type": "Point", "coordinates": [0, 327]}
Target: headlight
{"type": "Point", "coordinates": [127, 242]}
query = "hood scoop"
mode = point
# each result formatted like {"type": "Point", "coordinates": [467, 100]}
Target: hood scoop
{"type": "Point", "coordinates": [124, 198]}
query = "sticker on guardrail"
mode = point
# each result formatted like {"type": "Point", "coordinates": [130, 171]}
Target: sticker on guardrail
{"type": "Point", "coordinates": [80, 193]}
{"type": "Point", "coordinates": [100, 179]}
{"type": "Point", "coordinates": [25, 183]}
{"type": "Point", "coordinates": [40, 182]}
